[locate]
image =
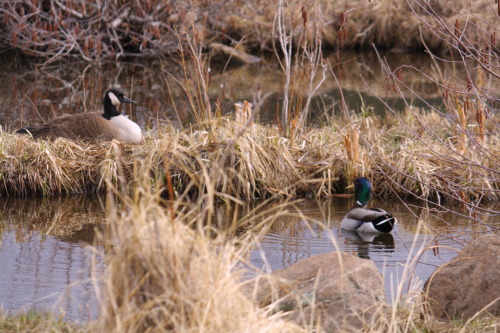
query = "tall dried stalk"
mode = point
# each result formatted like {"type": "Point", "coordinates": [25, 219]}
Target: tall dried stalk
{"type": "Point", "coordinates": [286, 45]}
{"type": "Point", "coordinates": [351, 143]}
{"type": "Point", "coordinates": [301, 66]}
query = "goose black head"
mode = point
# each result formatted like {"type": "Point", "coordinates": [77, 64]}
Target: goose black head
{"type": "Point", "coordinates": [112, 100]}
{"type": "Point", "coordinates": [362, 191]}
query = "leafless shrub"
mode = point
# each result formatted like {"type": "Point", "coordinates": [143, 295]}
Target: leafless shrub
{"type": "Point", "coordinates": [94, 30]}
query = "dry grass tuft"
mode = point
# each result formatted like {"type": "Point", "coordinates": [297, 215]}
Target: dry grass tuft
{"type": "Point", "coordinates": [162, 274]}
{"type": "Point", "coordinates": [415, 154]}
{"type": "Point", "coordinates": [37, 167]}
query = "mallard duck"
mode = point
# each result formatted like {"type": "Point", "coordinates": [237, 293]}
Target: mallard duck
{"type": "Point", "coordinates": [362, 219]}
{"type": "Point", "coordinates": [92, 125]}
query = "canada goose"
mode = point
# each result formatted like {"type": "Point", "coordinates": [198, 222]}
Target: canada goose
{"type": "Point", "coordinates": [92, 125]}
{"type": "Point", "coordinates": [362, 219]}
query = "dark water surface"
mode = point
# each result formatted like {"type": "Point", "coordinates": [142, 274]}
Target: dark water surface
{"type": "Point", "coordinates": [31, 95]}
{"type": "Point", "coordinates": [48, 262]}
{"type": "Point", "coordinates": [45, 256]}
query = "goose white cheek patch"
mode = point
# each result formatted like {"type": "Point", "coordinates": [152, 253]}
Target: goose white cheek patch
{"type": "Point", "coordinates": [114, 100]}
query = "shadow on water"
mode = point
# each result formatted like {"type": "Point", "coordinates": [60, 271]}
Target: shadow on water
{"type": "Point", "coordinates": [35, 95]}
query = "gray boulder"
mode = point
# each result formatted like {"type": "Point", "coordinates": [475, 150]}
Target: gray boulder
{"type": "Point", "coordinates": [337, 291]}
{"type": "Point", "coordinates": [469, 283]}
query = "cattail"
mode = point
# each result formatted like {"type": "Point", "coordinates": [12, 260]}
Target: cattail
{"type": "Point", "coordinates": [99, 46]}
{"type": "Point", "coordinates": [462, 115]}
{"type": "Point", "coordinates": [243, 112]}
{"type": "Point", "coordinates": [480, 121]}
{"type": "Point", "coordinates": [399, 74]}
{"type": "Point", "coordinates": [342, 30]}
{"type": "Point", "coordinates": [351, 142]}
{"type": "Point", "coordinates": [463, 199]}
{"type": "Point", "coordinates": [144, 44]}
{"type": "Point", "coordinates": [14, 39]}
{"type": "Point", "coordinates": [492, 43]}
{"type": "Point", "coordinates": [304, 16]}
{"type": "Point", "coordinates": [457, 28]}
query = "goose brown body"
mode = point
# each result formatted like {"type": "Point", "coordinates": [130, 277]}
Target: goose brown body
{"type": "Point", "coordinates": [92, 125]}
{"type": "Point", "coordinates": [89, 125]}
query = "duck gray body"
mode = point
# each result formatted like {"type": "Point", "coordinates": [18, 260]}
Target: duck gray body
{"type": "Point", "coordinates": [362, 219]}
{"type": "Point", "coordinates": [92, 125]}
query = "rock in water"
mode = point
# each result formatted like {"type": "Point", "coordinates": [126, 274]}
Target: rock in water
{"type": "Point", "coordinates": [469, 283]}
{"type": "Point", "coordinates": [336, 290]}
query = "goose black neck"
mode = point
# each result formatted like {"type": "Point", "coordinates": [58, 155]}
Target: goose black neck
{"type": "Point", "coordinates": [110, 110]}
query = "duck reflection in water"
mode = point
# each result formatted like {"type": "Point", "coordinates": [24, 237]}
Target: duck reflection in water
{"type": "Point", "coordinates": [369, 242]}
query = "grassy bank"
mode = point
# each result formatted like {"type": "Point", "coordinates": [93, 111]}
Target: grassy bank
{"type": "Point", "coordinates": [34, 321]}
{"type": "Point", "coordinates": [420, 155]}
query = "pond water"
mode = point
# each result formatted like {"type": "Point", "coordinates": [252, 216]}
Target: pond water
{"type": "Point", "coordinates": [48, 261]}
{"type": "Point", "coordinates": [30, 95]}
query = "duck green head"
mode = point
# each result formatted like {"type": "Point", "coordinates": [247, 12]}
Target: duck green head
{"type": "Point", "coordinates": [362, 191]}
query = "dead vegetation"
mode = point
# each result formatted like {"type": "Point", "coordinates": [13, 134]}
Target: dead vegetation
{"type": "Point", "coordinates": [35, 321]}
{"type": "Point", "coordinates": [405, 161]}
{"type": "Point", "coordinates": [169, 270]}
{"type": "Point", "coordinates": [182, 279]}
{"type": "Point", "coordinates": [117, 29]}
